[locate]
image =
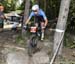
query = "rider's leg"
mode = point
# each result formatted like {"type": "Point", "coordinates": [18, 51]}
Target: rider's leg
{"type": "Point", "coordinates": [42, 26]}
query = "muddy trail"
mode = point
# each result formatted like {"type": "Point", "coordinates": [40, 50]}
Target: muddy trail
{"type": "Point", "coordinates": [12, 52]}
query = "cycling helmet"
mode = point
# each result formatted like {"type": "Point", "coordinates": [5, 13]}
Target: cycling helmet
{"type": "Point", "coordinates": [35, 7]}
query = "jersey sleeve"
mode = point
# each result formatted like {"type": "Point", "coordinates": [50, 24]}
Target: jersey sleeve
{"type": "Point", "coordinates": [31, 14]}
{"type": "Point", "coordinates": [43, 14]}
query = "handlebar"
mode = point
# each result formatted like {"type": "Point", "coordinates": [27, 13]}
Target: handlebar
{"type": "Point", "coordinates": [28, 27]}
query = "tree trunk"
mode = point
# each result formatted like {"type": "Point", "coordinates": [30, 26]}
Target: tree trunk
{"type": "Point", "coordinates": [26, 13]}
{"type": "Point", "coordinates": [61, 24]}
{"type": "Point", "coordinates": [36, 1]}
{"type": "Point", "coordinates": [45, 5]}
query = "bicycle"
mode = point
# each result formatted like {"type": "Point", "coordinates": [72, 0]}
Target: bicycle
{"type": "Point", "coordinates": [35, 36]}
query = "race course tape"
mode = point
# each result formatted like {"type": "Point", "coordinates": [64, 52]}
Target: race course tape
{"type": "Point", "coordinates": [59, 30]}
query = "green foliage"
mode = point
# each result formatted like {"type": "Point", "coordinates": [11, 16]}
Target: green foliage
{"type": "Point", "coordinates": [69, 40]}
{"type": "Point", "coordinates": [72, 8]}
{"type": "Point", "coordinates": [22, 7]}
{"type": "Point", "coordinates": [52, 6]}
{"type": "Point", "coordinates": [6, 5]}
{"type": "Point", "coordinates": [9, 6]}
{"type": "Point", "coordinates": [20, 40]}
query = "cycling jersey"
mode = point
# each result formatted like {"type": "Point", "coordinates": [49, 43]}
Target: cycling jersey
{"type": "Point", "coordinates": [40, 13]}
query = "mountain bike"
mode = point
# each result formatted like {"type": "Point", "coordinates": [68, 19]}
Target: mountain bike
{"type": "Point", "coordinates": [34, 38]}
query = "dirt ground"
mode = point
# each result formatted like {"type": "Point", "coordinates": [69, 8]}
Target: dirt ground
{"type": "Point", "coordinates": [13, 50]}
{"type": "Point", "coordinates": [8, 41]}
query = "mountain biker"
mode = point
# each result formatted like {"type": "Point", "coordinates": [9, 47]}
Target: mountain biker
{"type": "Point", "coordinates": [39, 17]}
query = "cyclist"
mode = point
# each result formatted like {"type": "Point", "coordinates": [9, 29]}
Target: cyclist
{"type": "Point", "coordinates": [39, 17]}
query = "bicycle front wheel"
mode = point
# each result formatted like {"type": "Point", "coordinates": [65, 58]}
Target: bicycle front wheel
{"type": "Point", "coordinates": [32, 45]}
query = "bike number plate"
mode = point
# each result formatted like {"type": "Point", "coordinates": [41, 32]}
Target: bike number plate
{"type": "Point", "coordinates": [33, 29]}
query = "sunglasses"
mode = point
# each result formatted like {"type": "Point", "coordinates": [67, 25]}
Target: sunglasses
{"type": "Point", "coordinates": [34, 10]}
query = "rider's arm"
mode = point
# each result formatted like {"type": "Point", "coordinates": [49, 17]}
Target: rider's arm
{"type": "Point", "coordinates": [29, 18]}
{"type": "Point", "coordinates": [46, 22]}
{"type": "Point", "coordinates": [45, 18]}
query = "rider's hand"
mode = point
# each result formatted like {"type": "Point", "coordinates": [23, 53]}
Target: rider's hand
{"type": "Point", "coordinates": [45, 25]}
{"type": "Point", "coordinates": [25, 27]}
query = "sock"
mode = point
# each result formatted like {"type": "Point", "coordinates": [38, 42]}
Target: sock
{"type": "Point", "coordinates": [42, 35]}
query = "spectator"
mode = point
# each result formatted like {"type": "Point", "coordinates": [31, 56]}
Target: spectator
{"type": "Point", "coordinates": [1, 17]}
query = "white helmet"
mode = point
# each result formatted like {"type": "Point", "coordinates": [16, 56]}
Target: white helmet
{"type": "Point", "coordinates": [35, 7]}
